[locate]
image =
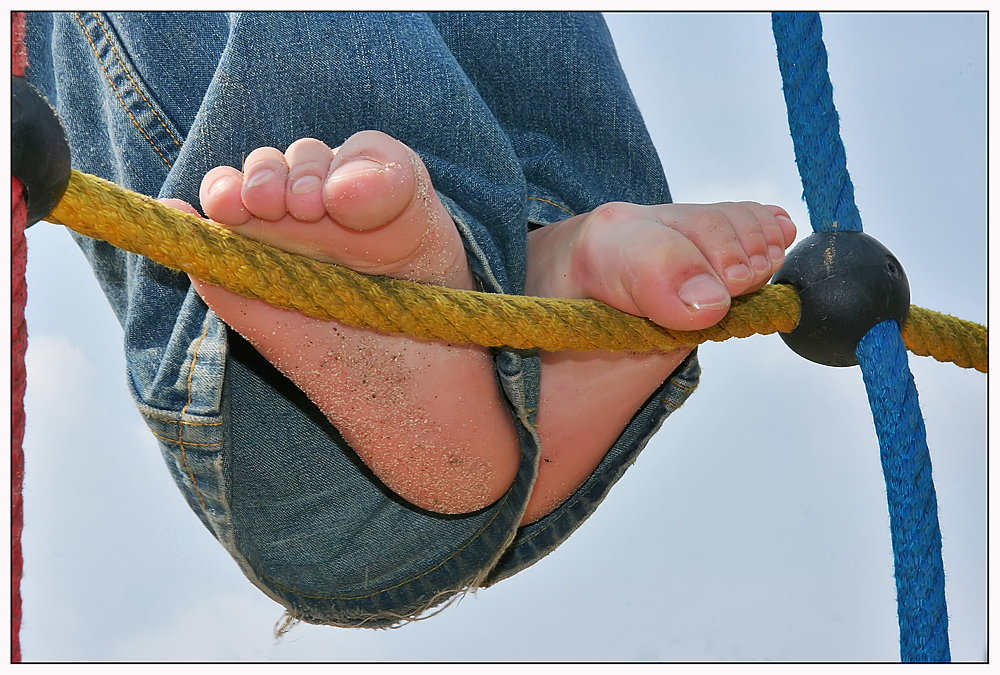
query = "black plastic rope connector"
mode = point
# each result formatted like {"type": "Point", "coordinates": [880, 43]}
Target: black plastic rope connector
{"type": "Point", "coordinates": [39, 154]}
{"type": "Point", "coordinates": [848, 283]}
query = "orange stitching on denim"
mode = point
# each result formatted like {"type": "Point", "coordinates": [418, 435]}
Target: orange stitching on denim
{"type": "Point", "coordinates": [138, 89]}
{"type": "Point", "coordinates": [107, 75]}
{"type": "Point", "coordinates": [676, 385]}
{"type": "Point", "coordinates": [180, 442]}
{"type": "Point", "coordinates": [558, 206]}
{"type": "Point", "coordinates": [180, 434]}
{"type": "Point", "coordinates": [187, 424]}
{"type": "Point", "coordinates": [184, 443]}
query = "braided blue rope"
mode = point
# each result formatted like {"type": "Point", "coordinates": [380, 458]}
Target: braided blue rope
{"type": "Point", "coordinates": [906, 464]}
{"type": "Point", "coordinates": [913, 518]}
{"type": "Point", "coordinates": [814, 123]}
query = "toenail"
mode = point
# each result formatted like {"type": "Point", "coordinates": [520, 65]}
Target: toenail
{"type": "Point", "coordinates": [305, 184]}
{"type": "Point", "coordinates": [355, 168]}
{"type": "Point", "coordinates": [704, 292]}
{"type": "Point", "coordinates": [759, 263]}
{"type": "Point", "coordinates": [219, 184]}
{"type": "Point", "coordinates": [738, 273]}
{"type": "Point", "coordinates": [776, 254]}
{"type": "Point", "coordinates": [259, 177]}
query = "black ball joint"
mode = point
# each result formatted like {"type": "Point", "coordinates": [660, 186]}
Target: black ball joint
{"type": "Point", "coordinates": [39, 151]}
{"type": "Point", "coordinates": [848, 283]}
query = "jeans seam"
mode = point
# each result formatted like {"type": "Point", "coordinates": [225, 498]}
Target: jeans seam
{"type": "Point", "coordinates": [187, 424]}
{"type": "Point", "coordinates": [180, 429]}
{"type": "Point", "coordinates": [564, 509]}
{"type": "Point", "coordinates": [181, 444]}
{"type": "Point", "coordinates": [673, 405]}
{"type": "Point", "coordinates": [568, 505]}
{"type": "Point", "coordinates": [114, 88]}
{"type": "Point", "coordinates": [135, 84]}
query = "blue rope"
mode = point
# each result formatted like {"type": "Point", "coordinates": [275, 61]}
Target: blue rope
{"type": "Point", "coordinates": [813, 120]}
{"type": "Point", "coordinates": [906, 464]}
{"type": "Point", "coordinates": [913, 519]}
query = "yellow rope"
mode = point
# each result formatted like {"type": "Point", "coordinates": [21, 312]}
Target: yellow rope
{"type": "Point", "coordinates": [133, 222]}
{"type": "Point", "coordinates": [946, 338]}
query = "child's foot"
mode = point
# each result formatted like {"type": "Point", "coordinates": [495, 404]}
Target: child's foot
{"type": "Point", "coordinates": [676, 264]}
{"type": "Point", "coordinates": [425, 416]}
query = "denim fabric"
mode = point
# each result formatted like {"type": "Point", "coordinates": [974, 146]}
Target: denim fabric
{"type": "Point", "coordinates": [520, 118]}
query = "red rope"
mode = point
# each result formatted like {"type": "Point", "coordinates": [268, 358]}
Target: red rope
{"type": "Point", "coordinates": [19, 345]}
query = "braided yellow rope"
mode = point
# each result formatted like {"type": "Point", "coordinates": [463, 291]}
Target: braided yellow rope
{"type": "Point", "coordinates": [946, 338]}
{"type": "Point", "coordinates": [133, 222]}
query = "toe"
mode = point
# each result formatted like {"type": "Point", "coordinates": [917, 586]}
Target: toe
{"type": "Point", "coordinates": [368, 205]}
{"type": "Point", "coordinates": [743, 242]}
{"type": "Point", "coordinates": [264, 178]}
{"type": "Point", "coordinates": [704, 291]}
{"type": "Point", "coordinates": [372, 181]}
{"type": "Point", "coordinates": [687, 294]}
{"type": "Point", "coordinates": [654, 271]}
{"type": "Point", "coordinates": [784, 224]}
{"type": "Point", "coordinates": [308, 163]}
{"type": "Point", "coordinates": [220, 196]}
{"type": "Point", "coordinates": [744, 257]}
{"type": "Point", "coordinates": [180, 205]}
{"type": "Point", "coordinates": [774, 232]}
{"type": "Point", "coordinates": [391, 220]}
{"type": "Point", "coordinates": [722, 233]}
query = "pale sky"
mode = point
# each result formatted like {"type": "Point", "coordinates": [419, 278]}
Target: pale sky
{"type": "Point", "coordinates": [753, 527]}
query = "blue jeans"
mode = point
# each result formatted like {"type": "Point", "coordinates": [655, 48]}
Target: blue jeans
{"type": "Point", "coordinates": [522, 121]}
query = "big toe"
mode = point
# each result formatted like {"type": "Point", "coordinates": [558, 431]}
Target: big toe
{"type": "Point", "coordinates": [373, 181]}
{"type": "Point", "coordinates": [380, 195]}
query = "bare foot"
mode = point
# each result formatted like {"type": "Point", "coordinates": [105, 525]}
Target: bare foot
{"type": "Point", "coordinates": [676, 264]}
{"type": "Point", "coordinates": [425, 416]}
